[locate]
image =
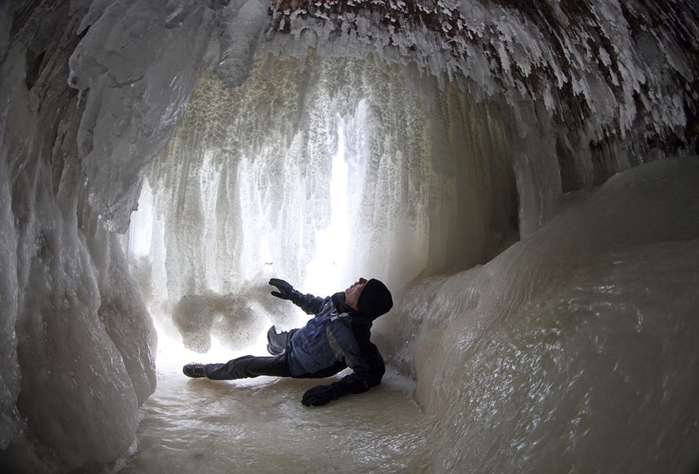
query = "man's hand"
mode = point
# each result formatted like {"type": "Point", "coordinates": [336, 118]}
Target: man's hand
{"type": "Point", "coordinates": [319, 395]}
{"type": "Point", "coordinates": [285, 289]}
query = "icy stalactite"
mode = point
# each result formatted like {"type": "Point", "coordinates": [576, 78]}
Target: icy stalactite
{"type": "Point", "coordinates": [244, 187]}
{"type": "Point", "coordinates": [593, 66]}
{"type": "Point", "coordinates": [242, 25]}
{"type": "Point", "coordinates": [605, 53]}
{"type": "Point", "coordinates": [618, 76]}
{"type": "Point", "coordinates": [135, 67]}
{"type": "Point", "coordinates": [589, 66]}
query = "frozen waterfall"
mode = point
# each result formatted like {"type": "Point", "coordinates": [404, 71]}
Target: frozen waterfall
{"type": "Point", "coordinates": [523, 175]}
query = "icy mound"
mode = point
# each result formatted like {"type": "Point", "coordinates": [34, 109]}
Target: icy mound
{"type": "Point", "coordinates": [575, 349]}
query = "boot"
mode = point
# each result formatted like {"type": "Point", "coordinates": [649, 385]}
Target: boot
{"type": "Point", "coordinates": [276, 343]}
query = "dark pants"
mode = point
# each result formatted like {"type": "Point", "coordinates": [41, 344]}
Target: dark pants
{"type": "Point", "coordinates": [248, 367]}
{"type": "Point", "coordinates": [251, 366]}
{"type": "Point", "coordinates": [277, 366]}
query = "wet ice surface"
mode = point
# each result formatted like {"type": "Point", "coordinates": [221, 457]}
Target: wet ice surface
{"type": "Point", "coordinates": [260, 425]}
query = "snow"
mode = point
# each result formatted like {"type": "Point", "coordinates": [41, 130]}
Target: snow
{"type": "Point", "coordinates": [459, 134]}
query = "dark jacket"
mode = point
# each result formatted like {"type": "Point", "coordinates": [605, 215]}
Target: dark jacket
{"type": "Point", "coordinates": [336, 338]}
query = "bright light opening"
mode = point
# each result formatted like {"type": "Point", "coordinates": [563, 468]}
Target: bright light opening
{"type": "Point", "coordinates": [141, 228]}
{"type": "Point", "coordinates": [325, 273]}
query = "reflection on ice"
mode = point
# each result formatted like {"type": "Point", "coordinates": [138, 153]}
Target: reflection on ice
{"type": "Point", "coordinates": [260, 426]}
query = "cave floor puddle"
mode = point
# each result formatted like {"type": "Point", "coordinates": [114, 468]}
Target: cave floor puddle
{"type": "Point", "coordinates": [260, 426]}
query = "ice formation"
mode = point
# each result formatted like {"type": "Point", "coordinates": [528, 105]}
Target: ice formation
{"type": "Point", "coordinates": [449, 127]}
{"type": "Point", "coordinates": [572, 350]}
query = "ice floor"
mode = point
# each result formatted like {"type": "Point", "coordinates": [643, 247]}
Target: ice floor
{"type": "Point", "coordinates": [259, 426]}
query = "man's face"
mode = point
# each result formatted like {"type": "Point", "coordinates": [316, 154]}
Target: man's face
{"type": "Point", "coordinates": [352, 293]}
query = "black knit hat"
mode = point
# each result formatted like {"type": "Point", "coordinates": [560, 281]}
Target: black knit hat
{"type": "Point", "coordinates": [375, 299]}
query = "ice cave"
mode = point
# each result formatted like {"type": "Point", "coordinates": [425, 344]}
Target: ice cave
{"type": "Point", "coordinates": [522, 174]}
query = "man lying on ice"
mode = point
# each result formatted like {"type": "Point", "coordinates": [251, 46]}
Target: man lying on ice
{"type": "Point", "coordinates": [336, 338]}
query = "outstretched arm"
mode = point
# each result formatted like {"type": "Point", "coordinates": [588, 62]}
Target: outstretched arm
{"type": "Point", "coordinates": [308, 303]}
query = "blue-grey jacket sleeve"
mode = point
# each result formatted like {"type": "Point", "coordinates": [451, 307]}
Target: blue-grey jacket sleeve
{"type": "Point", "coordinates": [366, 362]}
{"type": "Point", "coordinates": [308, 303]}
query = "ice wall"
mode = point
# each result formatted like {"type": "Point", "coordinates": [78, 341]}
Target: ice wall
{"type": "Point", "coordinates": [77, 341]}
{"type": "Point", "coordinates": [243, 190]}
{"type": "Point", "coordinates": [90, 92]}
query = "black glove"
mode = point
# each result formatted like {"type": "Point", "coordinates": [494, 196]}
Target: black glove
{"type": "Point", "coordinates": [319, 396]}
{"type": "Point", "coordinates": [285, 290]}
